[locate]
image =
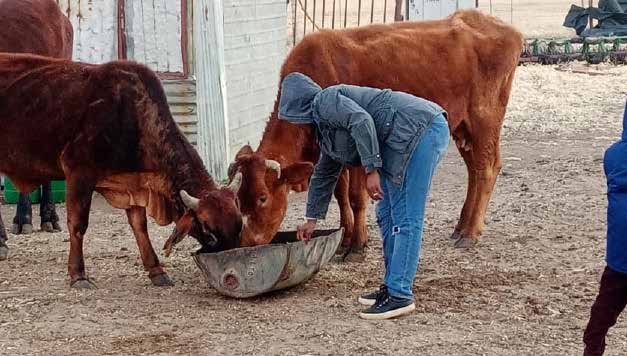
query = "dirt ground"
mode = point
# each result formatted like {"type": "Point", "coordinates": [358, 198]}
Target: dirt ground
{"type": "Point", "coordinates": [525, 290]}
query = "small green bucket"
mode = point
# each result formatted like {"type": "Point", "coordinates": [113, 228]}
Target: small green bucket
{"type": "Point", "coordinates": [12, 195]}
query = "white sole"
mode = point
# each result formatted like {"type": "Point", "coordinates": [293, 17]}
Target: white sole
{"type": "Point", "coordinates": [389, 315]}
{"type": "Point", "coordinates": [366, 302]}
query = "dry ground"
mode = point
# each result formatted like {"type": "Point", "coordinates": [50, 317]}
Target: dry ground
{"type": "Point", "coordinates": [525, 290]}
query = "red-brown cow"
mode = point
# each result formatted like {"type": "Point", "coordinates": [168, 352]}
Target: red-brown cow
{"type": "Point", "coordinates": [465, 63]}
{"type": "Point", "coordinates": [39, 27]}
{"type": "Point", "coordinates": [108, 128]}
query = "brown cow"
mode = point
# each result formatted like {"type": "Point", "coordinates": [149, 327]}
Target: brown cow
{"type": "Point", "coordinates": [39, 27]}
{"type": "Point", "coordinates": [108, 128]}
{"type": "Point", "coordinates": [465, 63]}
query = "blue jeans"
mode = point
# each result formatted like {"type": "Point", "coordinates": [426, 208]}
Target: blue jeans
{"type": "Point", "coordinates": [400, 214]}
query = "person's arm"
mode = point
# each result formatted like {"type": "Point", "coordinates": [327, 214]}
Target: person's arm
{"type": "Point", "coordinates": [321, 187]}
{"type": "Point", "coordinates": [340, 111]}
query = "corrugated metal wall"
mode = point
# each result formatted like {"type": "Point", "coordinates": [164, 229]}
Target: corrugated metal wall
{"type": "Point", "coordinates": [182, 100]}
{"type": "Point", "coordinates": [211, 86]}
{"type": "Point", "coordinates": [255, 35]}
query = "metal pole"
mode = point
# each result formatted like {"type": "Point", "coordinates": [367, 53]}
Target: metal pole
{"type": "Point", "coordinates": [345, 12]}
{"type": "Point", "coordinates": [490, 7]}
{"type": "Point", "coordinates": [333, 16]}
{"type": "Point", "coordinates": [385, 9]}
{"type": "Point", "coordinates": [324, 6]}
{"type": "Point", "coordinates": [590, 5]}
{"type": "Point", "coordinates": [305, 19]}
{"type": "Point", "coordinates": [372, 12]}
{"type": "Point", "coordinates": [511, 11]}
{"type": "Point", "coordinates": [294, 23]}
{"type": "Point", "coordinates": [358, 12]}
{"type": "Point", "coordinates": [313, 25]}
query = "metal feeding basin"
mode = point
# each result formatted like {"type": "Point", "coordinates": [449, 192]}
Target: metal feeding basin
{"type": "Point", "coordinates": [250, 271]}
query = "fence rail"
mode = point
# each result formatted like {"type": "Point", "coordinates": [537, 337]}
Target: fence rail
{"type": "Point", "coordinates": [307, 16]}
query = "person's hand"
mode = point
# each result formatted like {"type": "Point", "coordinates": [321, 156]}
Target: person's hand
{"type": "Point", "coordinates": [305, 231]}
{"type": "Point", "coordinates": [373, 185]}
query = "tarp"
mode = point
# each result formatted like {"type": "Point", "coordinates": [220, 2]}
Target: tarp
{"type": "Point", "coordinates": [611, 16]}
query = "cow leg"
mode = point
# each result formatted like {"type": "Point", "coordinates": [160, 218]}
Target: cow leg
{"type": "Point", "coordinates": [47, 210]}
{"type": "Point", "coordinates": [359, 203]}
{"type": "Point", "coordinates": [470, 195]}
{"type": "Point", "coordinates": [486, 165]}
{"type": "Point", "coordinates": [137, 219]}
{"type": "Point", "coordinates": [79, 193]}
{"type": "Point", "coordinates": [4, 249]}
{"type": "Point", "coordinates": [23, 220]}
{"type": "Point", "coordinates": [346, 213]}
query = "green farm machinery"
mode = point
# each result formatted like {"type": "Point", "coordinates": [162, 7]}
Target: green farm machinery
{"type": "Point", "coordinates": [588, 49]}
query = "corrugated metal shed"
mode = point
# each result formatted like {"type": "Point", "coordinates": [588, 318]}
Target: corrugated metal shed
{"type": "Point", "coordinates": [153, 37]}
{"type": "Point", "coordinates": [220, 93]}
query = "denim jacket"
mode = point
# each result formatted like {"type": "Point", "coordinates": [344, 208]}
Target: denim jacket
{"type": "Point", "coordinates": [374, 128]}
{"type": "Point", "coordinates": [615, 167]}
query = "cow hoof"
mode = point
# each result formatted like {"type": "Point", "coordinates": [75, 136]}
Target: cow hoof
{"type": "Point", "coordinates": [355, 255]}
{"type": "Point", "coordinates": [27, 229]}
{"type": "Point", "coordinates": [16, 229]}
{"type": "Point", "coordinates": [466, 242]}
{"type": "Point", "coordinates": [56, 227]}
{"type": "Point", "coordinates": [4, 252]}
{"type": "Point", "coordinates": [83, 284]}
{"type": "Point", "coordinates": [162, 280]}
{"type": "Point", "coordinates": [47, 227]}
{"type": "Point", "coordinates": [342, 250]}
{"type": "Point", "coordinates": [456, 235]}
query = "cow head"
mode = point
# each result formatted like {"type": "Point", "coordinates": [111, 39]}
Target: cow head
{"type": "Point", "coordinates": [213, 219]}
{"type": "Point", "coordinates": [263, 194]}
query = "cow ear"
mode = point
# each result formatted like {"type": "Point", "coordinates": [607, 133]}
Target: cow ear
{"type": "Point", "coordinates": [183, 226]}
{"type": "Point", "coordinates": [246, 150]}
{"type": "Point", "coordinates": [297, 173]}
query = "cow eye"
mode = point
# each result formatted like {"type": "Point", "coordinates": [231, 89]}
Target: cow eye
{"type": "Point", "coordinates": [263, 199]}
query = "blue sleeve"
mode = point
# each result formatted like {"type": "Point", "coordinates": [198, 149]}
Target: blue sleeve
{"type": "Point", "coordinates": [339, 111]}
{"type": "Point", "coordinates": [321, 186]}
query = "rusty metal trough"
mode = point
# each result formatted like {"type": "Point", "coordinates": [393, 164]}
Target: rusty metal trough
{"type": "Point", "coordinates": [251, 271]}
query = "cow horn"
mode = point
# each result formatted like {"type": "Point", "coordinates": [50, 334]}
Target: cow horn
{"type": "Point", "coordinates": [189, 200]}
{"type": "Point", "coordinates": [274, 165]}
{"type": "Point", "coordinates": [236, 183]}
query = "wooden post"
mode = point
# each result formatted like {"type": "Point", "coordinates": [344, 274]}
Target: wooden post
{"type": "Point", "coordinates": [213, 134]}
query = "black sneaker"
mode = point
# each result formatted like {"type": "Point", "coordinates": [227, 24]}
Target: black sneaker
{"type": "Point", "coordinates": [387, 308]}
{"type": "Point", "coordinates": [372, 297]}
